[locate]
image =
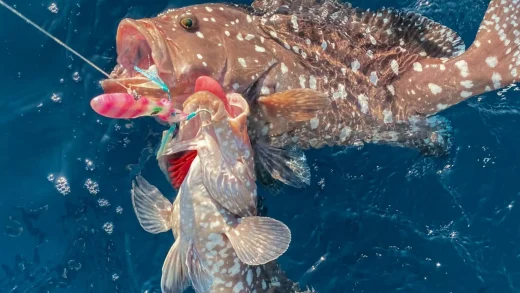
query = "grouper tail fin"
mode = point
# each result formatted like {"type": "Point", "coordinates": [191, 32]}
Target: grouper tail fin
{"type": "Point", "coordinates": [492, 62]}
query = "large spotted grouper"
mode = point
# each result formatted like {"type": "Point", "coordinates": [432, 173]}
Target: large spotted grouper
{"type": "Point", "coordinates": [319, 72]}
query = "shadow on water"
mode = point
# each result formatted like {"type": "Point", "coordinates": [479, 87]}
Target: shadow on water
{"type": "Point", "coordinates": [375, 219]}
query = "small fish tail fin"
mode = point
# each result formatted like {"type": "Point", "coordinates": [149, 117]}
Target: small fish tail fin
{"type": "Point", "coordinates": [153, 210]}
{"type": "Point", "coordinates": [174, 277]}
{"type": "Point", "coordinates": [288, 166]}
{"type": "Point", "coordinates": [491, 63]}
{"type": "Point", "coordinates": [259, 240]}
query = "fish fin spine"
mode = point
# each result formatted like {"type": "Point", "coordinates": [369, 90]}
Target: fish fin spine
{"type": "Point", "coordinates": [288, 165]}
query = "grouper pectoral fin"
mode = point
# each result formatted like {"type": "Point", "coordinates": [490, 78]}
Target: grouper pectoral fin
{"type": "Point", "coordinates": [153, 210]}
{"type": "Point", "coordinates": [259, 240]}
{"type": "Point", "coordinates": [492, 62]}
{"type": "Point", "coordinates": [291, 106]}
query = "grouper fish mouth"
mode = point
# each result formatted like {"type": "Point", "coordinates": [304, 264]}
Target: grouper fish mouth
{"type": "Point", "coordinates": [321, 73]}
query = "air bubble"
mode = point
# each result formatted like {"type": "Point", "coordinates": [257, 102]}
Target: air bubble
{"type": "Point", "coordinates": [92, 186]}
{"type": "Point", "coordinates": [53, 8]}
{"type": "Point", "coordinates": [103, 202]}
{"type": "Point", "coordinates": [108, 227]}
{"type": "Point", "coordinates": [89, 165]}
{"type": "Point", "coordinates": [62, 186]}
{"type": "Point", "coordinates": [115, 277]}
{"type": "Point", "coordinates": [76, 77]}
{"type": "Point", "coordinates": [50, 177]}
{"type": "Point", "coordinates": [74, 265]}
{"type": "Point", "coordinates": [56, 98]}
{"type": "Point", "coordinates": [119, 210]}
{"type": "Point", "coordinates": [13, 228]}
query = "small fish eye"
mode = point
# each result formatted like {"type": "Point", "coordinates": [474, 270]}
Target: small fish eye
{"type": "Point", "coordinates": [189, 22]}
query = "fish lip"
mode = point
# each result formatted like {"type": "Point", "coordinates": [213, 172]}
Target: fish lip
{"type": "Point", "coordinates": [139, 42]}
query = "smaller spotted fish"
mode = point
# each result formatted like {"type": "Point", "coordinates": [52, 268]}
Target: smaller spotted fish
{"type": "Point", "coordinates": [219, 237]}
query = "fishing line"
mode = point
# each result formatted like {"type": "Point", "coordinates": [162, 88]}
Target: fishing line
{"type": "Point", "coordinates": [60, 42]}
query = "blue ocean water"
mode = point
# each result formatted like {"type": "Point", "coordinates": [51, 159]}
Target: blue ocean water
{"type": "Point", "coordinates": [375, 219]}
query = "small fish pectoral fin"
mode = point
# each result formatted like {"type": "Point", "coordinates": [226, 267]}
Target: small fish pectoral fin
{"type": "Point", "coordinates": [286, 165]}
{"type": "Point", "coordinates": [200, 276]}
{"type": "Point", "coordinates": [174, 277]}
{"type": "Point", "coordinates": [259, 240]}
{"type": "Point", "coordinates": [153, 210]}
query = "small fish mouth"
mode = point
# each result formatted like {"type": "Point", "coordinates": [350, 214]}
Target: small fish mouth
{"type": "Point", "coordinates": [139, 43]}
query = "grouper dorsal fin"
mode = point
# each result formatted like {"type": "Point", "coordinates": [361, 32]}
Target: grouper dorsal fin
{"type": "Point", "coordinates": [331, 34]}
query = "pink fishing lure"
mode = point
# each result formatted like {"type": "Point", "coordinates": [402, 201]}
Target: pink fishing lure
{"type": "Point", "coordinates": [124, 105]}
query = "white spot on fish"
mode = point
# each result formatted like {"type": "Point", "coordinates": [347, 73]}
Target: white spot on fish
{"type": "Point", "coordinates": [208, 9]}
{"type": "Point", "coordinates": [249, 19]}
{"type": "Point", "coordinates": [391, 89]}
{"type": "Point", "coordinates": [273, 34]}
{"type": "Point", "coordinates": [363, 102]}
{"type": "Point", "coordinates": [314, 123]}
{"type": "Point", "coordinates": [324, 45]}
{"type": "Point", "coordinates": [214, 240]}
{"type": "Point", "coordinates": [302, 81]}
{"type": "Point", "coordinates": [373, 77]}
{"type": "Point", "coordinates": [265, 90]}
{"type": "Point", "coordinates": [492, 61]}
{"type": "Point", "coordinates": [387, 116]}
{"type": "Point", "coordinates": [239, 37]}
{"type": "Point", "coordinates": [345, 132]}
{"type": "Point", "coordinates": [312, 82]}
{"type": "Point", "coordinates": [372, 40]}
{"type": "Point", "coordinates": [395, 66]}
{"type": "Point", "coordinates": [199, 56]}
{"type": "Point", "coordinates": [200, 35]}
{"type": "Point", "coordinates": [227, 33]}
{"type": "Point", "coordinates": [442, 67]}
{"type": "Point", "coordinates": [355, 65]}
{"type": "Point", "coordinates": [236, 86]}
{"type": "Point", "coordinates": [435, 89]}
{"type": "Point", "coordinates": [441, 106]}
{"type": "Point", "coordinates": [467, 84]}
{"type": "Point", "coordinates": [238, 287]}
{"type": "Point", "coordinates": [462, 65]}
{"type": "Point", "coordinates": [249, 37]}
{"type": "Point", "coordinates": [249, 277]}
{"type": "Point", "coordinates": [284, 68]}
{"type": "Point", "coordinates": [213, 19]}
{"type": "Point", "coordinates": [242, 62]}
{"type": "Point", "coordinates": [259, 49]}
{"type": "Point", "coordinates": [496, 78]}
{"type": "Point", "coordinates": [205, 64]}
{"type": "Point", "coordinates": [294, 21]}
{"type": "Point", "coordinates": [417, 66]}
{"type": "Point", "coordinates": [466, 94]}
